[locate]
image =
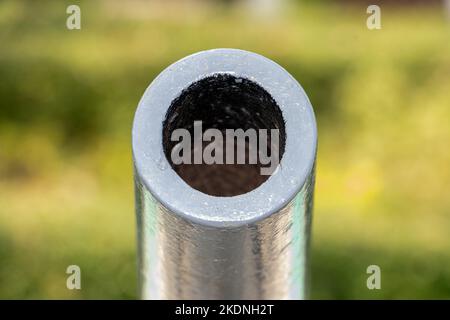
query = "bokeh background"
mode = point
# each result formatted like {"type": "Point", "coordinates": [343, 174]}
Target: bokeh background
{"type": "Point", "coordinates": [381, 97]}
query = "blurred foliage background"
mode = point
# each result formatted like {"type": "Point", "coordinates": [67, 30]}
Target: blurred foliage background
{"type": "Point", "coordinates": [67, 99]}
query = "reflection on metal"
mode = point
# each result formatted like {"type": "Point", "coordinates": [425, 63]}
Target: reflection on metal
{"type": "Point", "coordinates": [193, 245]}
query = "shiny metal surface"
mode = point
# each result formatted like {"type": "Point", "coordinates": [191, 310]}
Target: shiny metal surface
{"type": "Point", "coordinates": [252, 246]}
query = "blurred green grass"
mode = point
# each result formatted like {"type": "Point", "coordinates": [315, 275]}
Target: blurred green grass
{"type": "Point", "coordinates": [67, 101]}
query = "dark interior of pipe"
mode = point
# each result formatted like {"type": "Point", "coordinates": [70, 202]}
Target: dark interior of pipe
{"type": "Point", "coordinates": [223, 101]}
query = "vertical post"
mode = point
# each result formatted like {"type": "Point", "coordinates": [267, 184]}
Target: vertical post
{"type": "Point", "coordinates": [212, 232]}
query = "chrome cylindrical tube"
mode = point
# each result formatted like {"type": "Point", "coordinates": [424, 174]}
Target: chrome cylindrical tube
{"type": "Point", "coordinates": [196, 240]}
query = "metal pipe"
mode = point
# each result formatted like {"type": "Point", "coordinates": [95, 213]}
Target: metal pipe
{"type": "Point", "coordinates": [201, 242]}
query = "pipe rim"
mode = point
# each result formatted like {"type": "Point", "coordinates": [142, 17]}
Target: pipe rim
{"type": "Point", "coordinates": [166, 186]}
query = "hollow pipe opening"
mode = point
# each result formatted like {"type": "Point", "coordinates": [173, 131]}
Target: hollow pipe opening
{"type": "Point", "coordinates": [224, 102]}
